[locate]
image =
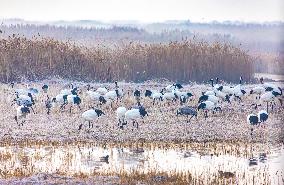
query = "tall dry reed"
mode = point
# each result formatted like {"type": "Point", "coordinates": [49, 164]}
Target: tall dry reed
{"type": "Point", "coordinates": [188, 60]}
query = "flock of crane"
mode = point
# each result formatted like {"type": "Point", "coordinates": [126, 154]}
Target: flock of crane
{"type": "Point", "coordinates": [26, 98]}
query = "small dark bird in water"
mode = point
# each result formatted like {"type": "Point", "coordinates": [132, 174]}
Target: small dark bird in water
{"type": "Point", "coordinates": [226, 174]}
{"type": "Point", "coordinates": [138, 150]}
{"type": "Point", "coordinates": [104, 159]}
{"type": "Point", "coordinates": [187, 154]}
{"type": "Point", "coordinates": [262, 157]}
{"type": "Point", "coordinates": [252, 161]}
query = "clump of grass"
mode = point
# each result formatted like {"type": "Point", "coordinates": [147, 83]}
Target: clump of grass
{"type": "Point", "coordinates": [151, 177]}
{"type": "Point", "coordinates": [187, 60]}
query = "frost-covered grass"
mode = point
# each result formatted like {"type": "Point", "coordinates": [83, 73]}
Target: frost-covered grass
{"type": "Point", "coordinates": [162, 124]}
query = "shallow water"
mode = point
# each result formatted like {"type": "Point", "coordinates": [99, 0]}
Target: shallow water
{"type": "Point", "coordinates": [21, 161]}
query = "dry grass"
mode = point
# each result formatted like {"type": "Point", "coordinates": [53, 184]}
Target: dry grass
{"type": "Point", "coordinates": [162, 124]}
{"type": "Point", "coordinates": [188, 60]}
{"type": "Point", "coordinates": [269, 63]}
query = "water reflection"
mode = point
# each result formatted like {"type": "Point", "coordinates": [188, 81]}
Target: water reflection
{"type": "Point", "coordinates": [259, 168]}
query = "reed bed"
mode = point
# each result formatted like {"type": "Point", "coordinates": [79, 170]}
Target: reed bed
{"type": "Point", "coordinates": [184, 61]}
{"type": "Point", "coordinates": [269, 63]}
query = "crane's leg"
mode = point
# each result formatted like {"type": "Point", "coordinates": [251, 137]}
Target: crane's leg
{"type": "Point", "coordinates": [79, 107]}
{"type": "Point", "coordinates": [80, 126]}
{"type": "Point", "coordinates": [62, 106]}
{"type": "Point", "coordinates": [191, 117]}
{"type": "Point", "coordinates": [33, 110]}
{"type": "Point", "coordinates": [16, 119]}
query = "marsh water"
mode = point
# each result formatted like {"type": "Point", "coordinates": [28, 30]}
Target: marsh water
{"type": "Point", "coordinates": [200, 161]}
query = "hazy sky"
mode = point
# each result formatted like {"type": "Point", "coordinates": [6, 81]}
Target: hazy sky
{"type": "Point", "coordinates": [143, 10]}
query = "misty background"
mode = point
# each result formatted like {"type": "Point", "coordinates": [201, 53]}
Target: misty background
{"type": "Point", "coordinates": [255, 26]}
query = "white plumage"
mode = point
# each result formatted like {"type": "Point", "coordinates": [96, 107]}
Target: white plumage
{"type": "Point", "coordinates": [179, 93]}
{"type": "Point", "coordinates": [59, 98]}
{"type": "Point", "coordinates": [70, 98]}
{"type": "Point", "coordinates": [272, 87]}
{"type": "Point", "coordinates": [26, 92]}
{"type": "Point", "coordinates": [20, 114]}
{"type": "Point", "coordinates": [266, 85]}
{"type": "Point", "coordinates": [227, 90]}
{"type": "Point", "coordinates": [21, 111]}
{"type": "Point", "coordinates": [267, 97]}
{"type": "Point", "coordinates": [209, 105]}
{"type": "Point", "coordinates": [220, 94]}
{"type": "Point", "coordinates": [209, 93]}
{"type": "Point", "coordinates": [21, 91]}
{"type": "Point", "coordinates": [120, 113]}
{"type": "Point", "coordinates": [170, 88]}
{"type": "Point", "coordinates": [102, 90]}
{"type": "Point", "coordinates": [93, 95]}
{"type": "Point", "coordinates": [213, 99]}
{"type": "Point", "coordinates": [157, 95]}
{"type": "Point", "coordinates": [24, 98]}
{"type": "Point", "coordinates": [239, 91]}
{"type": "Point", "coordinates": [112, 95]}
{"type": "Point", "coordinates": [169, 96]}
{"type": "Point", "coordinates": [257, 90]}
{"type": "Point", "coordinates": [66, 91]}
{"type": "Point", "coordinates": [90, 115]}
{"type": "Point", "coordinates": [182, 93]}
{"type": "Point", "coordinates": [132, 115]}
{"type": "Point", "coordinates": [154, 95]}
{"type": "Point", "coordinates": [135, 114]}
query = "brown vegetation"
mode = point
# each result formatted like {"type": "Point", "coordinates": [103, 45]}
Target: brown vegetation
{"type": "Point", "coordinates": [269, 63]}
{"type": "Point", "coordinates": [188, 60]}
